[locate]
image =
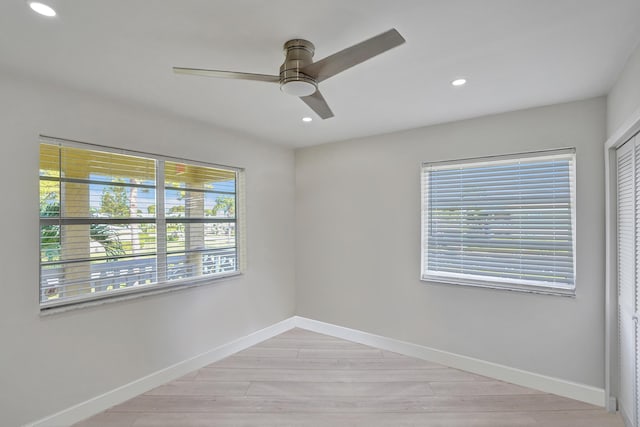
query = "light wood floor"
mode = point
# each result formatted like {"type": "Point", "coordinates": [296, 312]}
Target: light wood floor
{"type": "Point", "coordinates": [301, 378]}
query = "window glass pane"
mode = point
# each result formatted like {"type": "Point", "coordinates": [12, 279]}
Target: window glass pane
{"type": "Point", "coordinates": [99, 222]}
{"type": "Point", "coordinates": [96, 240]}
{"type": "Point", "coordinates": [50, 243]}
{"type": "Point", "coordinates": [199, 204]}
{"type": "Point", "coordinates": [79, 163]}
{"type": "Point", "coordinates": [220, 205]}
{"type": "Point", "coordinates": [132, 239]}
{"type": "Point", "coordinates": [197, 236]}
{"type": "Point", "coordinates": [49, 160]}
{"type": "Point", "coordinates": [90, 239]}
{"type": "Point", "coordinates": [197, 192]}
{"type": "Point", "coordinates": [200, 209]}
{"type": "Point", "coordinates": [115, 200]}
{"type": "Point", "coordinates": [506, 220]}
{"type": "Point", "coordinates": [185, 176]}
{"type": "Point", "coordinates": [186, 265]}
{"type": "Point", "coordinates": [220, 235]}
{"type": "Point", "coordinates": [91, 277]}
{"type": "Point", "coordinates": [183, 204]}
{"type": "Point", "coordinates": [49, 195]}
{"type": "Point", "coordinates": [49, 181]}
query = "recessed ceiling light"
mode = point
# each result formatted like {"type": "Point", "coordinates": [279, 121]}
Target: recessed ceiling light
{"type": "Point", "coordinates": [42, 8]}
{"type": "Point", "coordinates": [459, 82]}
{"type": "Point", "coordinates": [307, 119]}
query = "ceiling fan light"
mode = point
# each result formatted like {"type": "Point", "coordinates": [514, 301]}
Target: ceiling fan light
{"type": "Point", "coordinates": [298, 88]}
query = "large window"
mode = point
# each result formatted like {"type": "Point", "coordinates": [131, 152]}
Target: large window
{"type": "Point", "coordinates": [503, 222]}
{"type": "Point", "coordinates": [113, 222]}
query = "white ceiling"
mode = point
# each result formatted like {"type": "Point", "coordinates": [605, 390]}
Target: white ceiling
{"type": "Point", "coordinates": [515, 53]}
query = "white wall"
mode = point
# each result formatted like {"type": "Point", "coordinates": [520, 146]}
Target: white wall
{"type": "Point", "coordinates": [624, 98]}
{"type": "Point", "coordinates": [53, 362]}
{"type": "Point", "coordinates": [358, 244]}
{"type": "Point", "coordinates": [357, 248]}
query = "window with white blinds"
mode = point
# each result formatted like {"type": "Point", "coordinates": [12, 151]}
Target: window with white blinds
{"type": "Point", "coordinates": [501, 222]}
{"type": "Point", "coordinates": [114, 222]}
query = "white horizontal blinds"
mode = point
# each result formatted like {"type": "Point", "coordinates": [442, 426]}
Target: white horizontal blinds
{"type": "Point", "coordinates": [200, 216]}
{"type": "Point", "coordinates": [97, 222]}
{"type": "Point", "coordinates": [633, 297]}
{"type": "Point", "coordinates": [627, 180]}
{"type": "Point", "coordinates": [114, 221]}
{"type": "Point", "coordinates": [502, 219]}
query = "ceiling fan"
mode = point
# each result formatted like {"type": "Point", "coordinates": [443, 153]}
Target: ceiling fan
{"type": "Point", "coordinates": [299, 75]}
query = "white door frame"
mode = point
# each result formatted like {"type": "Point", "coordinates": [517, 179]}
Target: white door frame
{"type": "Point", "coordinates": [627, 130]}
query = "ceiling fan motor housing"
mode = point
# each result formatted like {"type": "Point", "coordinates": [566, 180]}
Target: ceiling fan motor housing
{"type": "Point", "coordinates": [298, 54]}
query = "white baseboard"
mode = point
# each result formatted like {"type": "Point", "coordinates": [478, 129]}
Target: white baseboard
{"type": "Point", "coordinates": [76, 413]}
{"type": "Point", "coordinates": [572, 390]}
{"type": "Point", "coordinates": [100, 403]}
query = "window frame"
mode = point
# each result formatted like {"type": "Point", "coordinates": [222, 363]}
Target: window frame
{"type": "Point", "coordinates": [160, 221]}
{"type": "Point", "coordinates": [496, 282]}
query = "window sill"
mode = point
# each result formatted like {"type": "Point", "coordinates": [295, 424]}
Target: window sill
{"type": "Point", "coordinates": [131, 294]}
{"type": "Point", "coordinates": [504, 286]}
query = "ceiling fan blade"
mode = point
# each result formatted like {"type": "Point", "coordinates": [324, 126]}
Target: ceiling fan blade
{"type": "Point", "coordinates": [227, 74]}
{"type": "Point", "coordinates": [317, 103]}
{"type": "Point", "coordinates": [354, 55]}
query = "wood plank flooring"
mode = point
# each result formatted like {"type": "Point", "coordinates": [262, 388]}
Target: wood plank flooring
{"type": "Point", "coordinates": [301, 378]}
